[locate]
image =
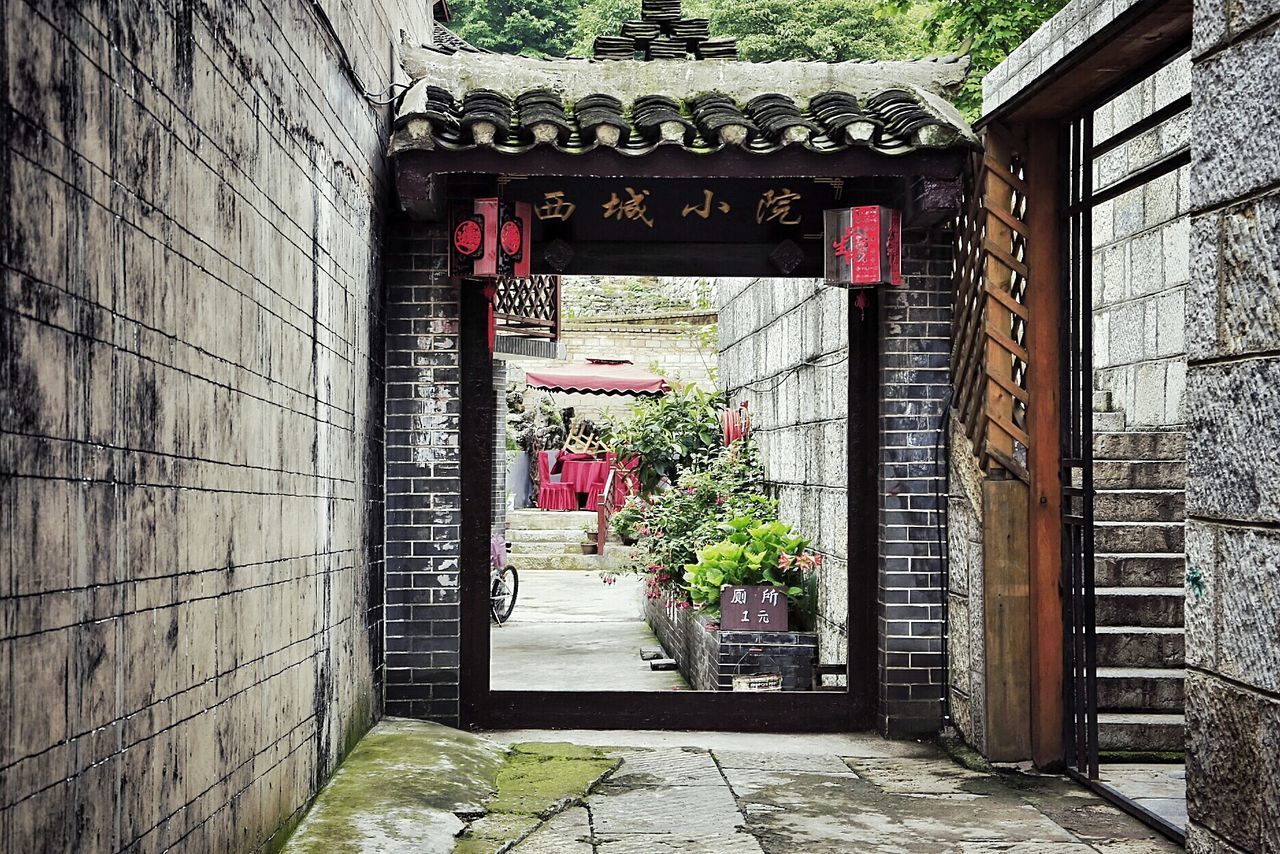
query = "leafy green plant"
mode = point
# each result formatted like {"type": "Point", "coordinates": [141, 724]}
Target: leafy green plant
{"type": "Point", "coordinates": [720, 484]}
{"type": "Point", "coordinates": [627, 519]}
{"type": "Point", "coordinates": [666, 433]}
{"type": "Point", "coordinates": [753, 552]}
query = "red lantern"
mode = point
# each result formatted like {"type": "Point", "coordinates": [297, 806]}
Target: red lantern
{"type": "Point", "coordinates": [491, 239]}
{"type": "Point", "coordinates": [863, 246]}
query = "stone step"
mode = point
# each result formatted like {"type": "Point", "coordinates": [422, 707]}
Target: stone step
{"type": "Point", "coordinates": [1139, 570]}
{"type": "Point", "coordinates": [1140, 445]}
{"type": "Point", "coordinates": [1141, 731]}
{"type": "Point", "coordinates": [549, 535]}
{"type": "Point", "coordinates": [1118, 474]}
{"type": "Point", "coordinates": [1139, 505]}
{"type": "Point", "coordinates": [1138, 606]}
{"type": "Point", "coordinates": [1109, 421]}
{"type": "Point", "coordinates": [552, 519]}
{"type": "Point", "coordinates": [1138, 537]}
{"type": "Point", "coordinates": [543, 547]}
{"type": "Point", "coordinates": [620, 557]}
{"type": "Point", "coordinates": [1141, 689]}
{"type": "Point", "coordinates": [1138, 646]}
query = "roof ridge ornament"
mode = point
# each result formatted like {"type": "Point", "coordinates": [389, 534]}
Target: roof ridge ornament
{"type": "Point", "coordinates": [664, 33]}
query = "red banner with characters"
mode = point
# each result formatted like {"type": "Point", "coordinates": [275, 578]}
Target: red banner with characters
{"type": "Point", "coordinates": [863, 246]}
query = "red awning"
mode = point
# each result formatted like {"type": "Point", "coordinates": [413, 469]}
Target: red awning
{"type": "Point", "coordinates": [599, 376]}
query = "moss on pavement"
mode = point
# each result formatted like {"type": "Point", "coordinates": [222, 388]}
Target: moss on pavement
{"type": "Point", "coordinates": [413, 785]}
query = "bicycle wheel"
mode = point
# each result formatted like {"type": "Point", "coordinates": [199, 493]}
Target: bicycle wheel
{"type": "Point", "coordinates": [502, 596]}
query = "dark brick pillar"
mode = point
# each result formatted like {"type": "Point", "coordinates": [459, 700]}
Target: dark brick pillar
{"type": "Point", "coordinates": [423, 501]}
{"type": "Point", "coordinates": [915, 388]}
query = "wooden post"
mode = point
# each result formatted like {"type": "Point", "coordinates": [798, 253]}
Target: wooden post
{"type": "Point", "coordinates": [1008, 620]}
{"type": "Point", "coordinates": [1044, 309]}
{"type": "Point", "coordinates": [476, 453]}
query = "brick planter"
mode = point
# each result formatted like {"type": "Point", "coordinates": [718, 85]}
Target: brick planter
{"type": "Point", "coordinates": [709, 660]}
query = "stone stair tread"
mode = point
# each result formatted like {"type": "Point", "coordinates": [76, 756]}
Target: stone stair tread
{"type": "Point", "coordinates": [548, 535]}
{"type": "Point", "coordinates": [1140, 591]}
{"type": "Point", "coordinates": [1145, 555]}
{"type": "Point", "coordinates": [1142, 672]}
{"type": "Point", "coordinates": [1155, 630]}
{"type": "Point", "coordinates": [1143, 718]}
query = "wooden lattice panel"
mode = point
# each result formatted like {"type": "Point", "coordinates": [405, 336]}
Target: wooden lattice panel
{"type": "Point", "coordinates": [529, 307]}
{"type": "Point", "coordinates": [989, 355]}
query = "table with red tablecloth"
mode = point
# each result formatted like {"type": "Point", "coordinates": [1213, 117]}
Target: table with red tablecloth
{"type": "Point", "coordinates": [583, 472]}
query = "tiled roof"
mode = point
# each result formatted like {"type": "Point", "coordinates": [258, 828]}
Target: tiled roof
{"type": "Point", "coordinates": [512, 104]}
{"type": "Point", "coordinates": [447, 41]}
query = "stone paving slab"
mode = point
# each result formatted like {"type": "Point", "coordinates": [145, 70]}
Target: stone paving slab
{"type": "Point", "coordinates": [760, 761]}
{"type": "Point", "coordinates": [670, 767]}
{"type": "Point", "coordinates": [568, 832]}
{"type": "Point", "coordinates": [725, 793]}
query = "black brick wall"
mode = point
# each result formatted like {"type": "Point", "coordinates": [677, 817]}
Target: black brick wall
{"type": "Point", "coordinates": [915, 388]}
{"type": "Point", "coordinates": [423, 485]}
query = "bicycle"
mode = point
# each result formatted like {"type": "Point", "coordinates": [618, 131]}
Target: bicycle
{"type": "Point", "coordinates": [504, 583]}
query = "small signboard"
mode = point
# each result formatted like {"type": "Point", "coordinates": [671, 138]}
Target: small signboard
{"type": "Point", "coordinates": [758, 682]}
{"type": "Point", "coordinates": [753, 609]}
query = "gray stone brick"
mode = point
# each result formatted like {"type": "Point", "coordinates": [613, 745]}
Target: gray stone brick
{"type": "Point", "coordinates": [1233, 450]}
{"type": "Point", "coordinates": [1236, 92]}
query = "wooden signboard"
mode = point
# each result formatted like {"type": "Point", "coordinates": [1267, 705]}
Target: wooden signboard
{"type": "Point", "coordinates": [753, 609]}
{"type": "Point", "coordinates": [685, 226]}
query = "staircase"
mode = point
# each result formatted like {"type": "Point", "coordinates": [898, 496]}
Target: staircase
{"type": "Point", "coordinates": [1139, 560]}
{"type": "Point", "coordinates": [552, 539]}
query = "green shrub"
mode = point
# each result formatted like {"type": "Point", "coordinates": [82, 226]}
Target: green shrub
{"type": "Point", "coordinates": [719, 484]}
{"type": "Point", "coordinates": [667, 433]}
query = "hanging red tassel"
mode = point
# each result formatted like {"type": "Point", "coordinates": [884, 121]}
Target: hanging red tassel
{"type": "Point", "coordinates": [490, 292]}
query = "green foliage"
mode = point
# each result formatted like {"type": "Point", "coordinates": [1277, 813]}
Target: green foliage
{"type": "Point", "coordinates": [827, 30]}
{"type": "Point", "coordinates": [600, 18]}
{"type": "Point", "coordinates": [673, 525]}
{"type": "Point", "coordinates": [990, 28]}
{"type": "Point", "coordinates": [529, 27]}
{"type": "Point", "coordinates": [824, 30]}
{"type": "Point", "coordinates": [666, 433]}
{"type": "Point", "coordinates": [753, 552]}
{"type": "Point", "coordinates": [626, 520]}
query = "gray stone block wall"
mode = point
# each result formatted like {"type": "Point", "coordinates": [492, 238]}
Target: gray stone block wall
{"type": "Point", "coordinates": [784, 349]}
{"type": "Point", "coordinates": [190, 432]}
{"type": "Point", "coordinates": [1141, 252]}
{"type": "Point", "coordinates": [966, 611]}
{"type": "Point", "coordinates": [768, 328]}
{"type": "Point", "coordinates": [1057, 38]}
{"type": "Point", "coordinates": [1233, 409]}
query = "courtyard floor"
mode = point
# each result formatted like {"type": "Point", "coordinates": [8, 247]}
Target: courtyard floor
{"type": "Point", "coordinates": [572, 632]}
{"type": "Point", "coordinates": [580, 792]}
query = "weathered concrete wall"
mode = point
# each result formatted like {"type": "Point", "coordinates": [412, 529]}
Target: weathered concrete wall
{"type": "Point", "coordinates": [190, 440]}
{"type": "Point", "coordinates": [1233, 406]}
{"type": "Point", "coordinates": [784, 349]}
{"type": "Point", "coordinates": [1140, 257]}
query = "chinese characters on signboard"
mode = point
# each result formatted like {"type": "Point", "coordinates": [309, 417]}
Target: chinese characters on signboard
{"type": "Point", "coordinates": [755, 609]}
{"type": "Point", "coordinates": [779, 205]}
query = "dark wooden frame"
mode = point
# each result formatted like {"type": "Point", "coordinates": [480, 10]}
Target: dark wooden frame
{"type": "Point", "coordinates": [844, 711]}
